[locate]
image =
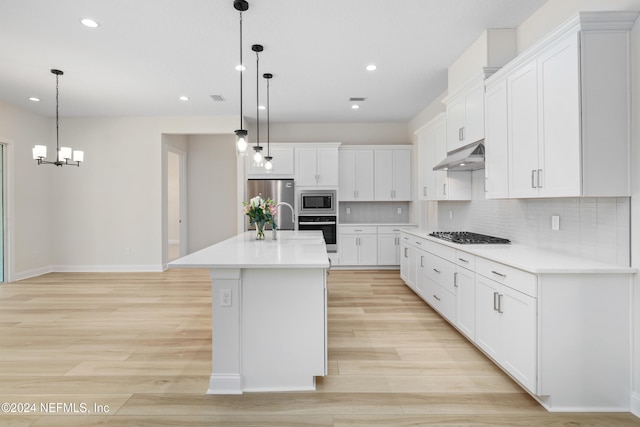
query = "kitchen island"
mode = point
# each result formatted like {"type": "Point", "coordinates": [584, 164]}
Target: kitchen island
{"type": "Point", "coordinates": [269, 312]}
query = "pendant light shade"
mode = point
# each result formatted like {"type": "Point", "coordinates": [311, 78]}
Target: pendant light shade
{"type": "Point", "coordinates": [241, 134]}
{"type": "Point", "coordinates": [64, 155]}
{"type": "Point", "coordinates": [268, 164]}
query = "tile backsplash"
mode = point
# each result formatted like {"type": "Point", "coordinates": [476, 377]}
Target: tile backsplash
{"type": "Point", "coordinates": [374, 212]}
{"type": "Point", "coordinates": [593, 228]}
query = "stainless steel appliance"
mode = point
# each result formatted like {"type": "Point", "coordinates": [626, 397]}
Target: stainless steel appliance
{"type": "Point", "coordinates": [280, 190]}
{"type": "Point", "coordinates": [468, 238]}
{"type": "Point", "coordinates": [327, 224]}
{"type": "Point", "coordinates": [317, 202]}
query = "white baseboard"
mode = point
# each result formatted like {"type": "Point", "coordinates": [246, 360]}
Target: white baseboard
{"type": "Point", "coordinates": [32, 273]}
{"type": "Point", "coordinates": [635, 404]}
{"type": "Point", "coordinates": [140, 268]}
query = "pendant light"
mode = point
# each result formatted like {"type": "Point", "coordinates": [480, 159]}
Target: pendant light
{"type": "Point", "coordinates": [64, 154]}
{"type": "Point", "coordinates": [241, 134]}
{"type": "Point", "coordinates": [268, 165]}
{"type": "Point", "coordinates": [258, 159]}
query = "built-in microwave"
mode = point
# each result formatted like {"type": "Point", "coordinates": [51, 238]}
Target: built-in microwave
{"type": "Point", "coordinates": [317, 202]}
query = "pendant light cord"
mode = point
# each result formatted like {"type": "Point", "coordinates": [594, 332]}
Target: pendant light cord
{"type": "Point", "coordinates": [268, 130]}
{"type": "Point", "coordinates": [57, 126]}
{"type": "Point", "coordinates": [241, 71]}
{"type": "Point", "coordinates": [257, 98]}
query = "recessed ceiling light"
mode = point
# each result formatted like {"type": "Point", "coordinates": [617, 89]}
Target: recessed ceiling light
{"type": "Point", "coordinates": [184, 98]}
{"type": "Point", "coordinates": [88, 22]}
{"type": "Point", "coordinates": [371, 67]}
{"type": "Point", "coordinates": [262, 107]}
{"type": "Point", "coordinates": [355, 106]}
{"type": "Point", "coordinates": [34, 99]}
{"type": "Point", "coordinates": [240, 67]}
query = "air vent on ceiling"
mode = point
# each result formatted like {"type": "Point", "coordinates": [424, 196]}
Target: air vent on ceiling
{"type": "Point", "coordinates": [217, 98]}
{"type": "Point", "coordinates": [356, 99]}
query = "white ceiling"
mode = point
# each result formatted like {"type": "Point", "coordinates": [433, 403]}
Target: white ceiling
{"type": "Point", "coordinates": [146, 53]}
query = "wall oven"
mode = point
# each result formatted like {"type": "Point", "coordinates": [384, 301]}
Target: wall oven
{"type": "Point", "coordinates": [317, 202]}
{"type": "Point", "coordinates": [326, 224]}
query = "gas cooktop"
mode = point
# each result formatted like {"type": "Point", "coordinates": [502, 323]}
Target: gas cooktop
{"type": "Point", "coordinates": [468, 238]}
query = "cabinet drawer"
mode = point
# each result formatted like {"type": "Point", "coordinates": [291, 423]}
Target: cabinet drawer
{"type": "Point", "coordinates": [391, 229]}
{"type": "Point", "coordinates": [348, 229]}
{"type": "Point", "coordinates": [508, 276]}
{"type": "Point", "coordinates": [440, 271]}
{"type": "Point", "coordinates": [441, 300]}
{"type": "Point", "coordinates": [442, 251]}
{"type": "Point", "coordinates": [466, 260]}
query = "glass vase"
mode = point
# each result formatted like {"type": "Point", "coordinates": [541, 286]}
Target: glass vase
{"type": "Point", "coordinates": [260, 231]}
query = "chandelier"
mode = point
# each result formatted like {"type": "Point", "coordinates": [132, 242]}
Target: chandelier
{"type": "Point", "coordinates": [64, 155]}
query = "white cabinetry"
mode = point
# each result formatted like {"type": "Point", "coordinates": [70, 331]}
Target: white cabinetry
{"type": "Point", "coordinates": [506, 319]}
{"type": "Point", "coordinates": [567, 115]}
{"type": "Point", "coordinates": [358, 245]}
{"type": "Point", "coordinates": [496, 167]}
{"type": "Point", "coordinates": [465, 114]}
{"type": "Point", "coordinates": [388, 245]}
{"type": "Point", "coordinates": [465, 284]}
{"type": "Point", "coordinates": [282, 163]}
{"type": "Point", "coordinates": [393, 174]}
{"type": "Point", "coordinates": [317, 166]}
{"type": "Point", "coordinates": [439, 185]}
{"type": "Point", "coordinates": [356, 174]}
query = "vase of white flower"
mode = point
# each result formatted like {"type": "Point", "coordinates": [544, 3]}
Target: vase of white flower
{"type": "Point", "coordinates": [260, 212]}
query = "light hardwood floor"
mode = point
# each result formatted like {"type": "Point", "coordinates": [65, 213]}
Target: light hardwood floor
{"type": "Point", "coordinates": [134, 350]}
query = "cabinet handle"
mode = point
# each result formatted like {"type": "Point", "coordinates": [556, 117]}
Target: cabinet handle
{"type": "Point", "coordinates": [357, 230]}
{"type": "Point", "coordinates": [424, 191]}
{"type": "Point", "coordinates": [444, 189]}
{"type": "Point", "coordinates": [436, 297]}
{"type": "Point", "coordinates": [405, 253]}
{"type": "Point", "coordinates": [455, 279]}
{"type": "Point", "coordinates": [421, 260]}
{"type": "Point", "coordinates": [498, 274]}
{"type": "Point", "coordinates": [539, 178]}
{"type": "Point", "coordinates": [355, 194]}
{"type": "Point", "coordinates": [533, 178]}
{"type": "Point", "coordinates": [464, 260]}
{"type": "Point", "coordinates": [418, 243]}
{"type": "Point", "coordinates": [500, 303]}
{"type": "Point", "coordinates": [436, 270]}
{"type": "Point", "coordinates": [495, 301]}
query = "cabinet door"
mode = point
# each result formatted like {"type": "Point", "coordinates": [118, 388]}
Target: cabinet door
{"type": "Point", "coordinates": [368, 249]}
{"type": "Point", "coordinates": [522, 90]}
{"type": "Point", "coordinates": [364, 175]}
{"type": "Point", "coordinates": [487, 316]}
{"type": "Point", "coordinates": [327, 167]}
{"type": "Point", "coordinates": [348, 249]}
{"type": "Point", "coordinates": [560, 154]}
{"type": "Point", "coordinates": [465, 282]}
{"type": "Point", "coordinates": [388, 249]}
{"type": "Point", "coordinates": [496, 142]}
{"type": "Point", "coordinates": [306, 167]}
{"type": "Point", "coordinates": [455, 124]}
{"type": "Point", "coordinates": [404, 260]}
{"type": "Point", "coordinates": [426, 160]}
{"type": "Point", "coordinates": [383, 174]}
{"type": "Point", "coordinates": [402, 175]}
{"type": "Point", "coordinates": [347, 178]}
{"type": "Point", "coordinates": [474, 115]}
{"type": "Point", "coordinates": [518, 336]}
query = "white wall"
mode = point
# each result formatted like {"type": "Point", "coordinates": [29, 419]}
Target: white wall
{"type": "Point", "coordinates": [29, 191]}
{"type": "Point", "coordinates": [346, 133]}
{"type": "Point", "coordinates": [211, 181]}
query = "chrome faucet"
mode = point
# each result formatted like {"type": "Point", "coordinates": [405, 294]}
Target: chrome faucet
{"type": "Point", "coordinates": [293, 218]}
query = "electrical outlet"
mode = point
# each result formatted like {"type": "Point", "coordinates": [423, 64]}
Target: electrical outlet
{"type": "Point", "coordinates": [555, 222]}
{"type": "Point", "coordinates": [225, 297]}
{"type": "Point", "coordinates": [348, 211]}
{"type": "Point", "coordinates": [127, 251]}
{"type": "Point", "coordinates": [399, 211]}
{"type": "Point", "coordinates": [450, 214]}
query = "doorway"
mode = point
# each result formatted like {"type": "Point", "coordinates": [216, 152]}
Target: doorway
{"type": "Point", "coordinates": [176, 204]}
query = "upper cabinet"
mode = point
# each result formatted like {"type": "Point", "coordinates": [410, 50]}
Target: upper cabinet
{"type": "Point", "coordinates": [562, 109]}
{"type": "Point", "coordinates": [393, 174]}
{"type": "Point", "coordinates": [282, 163]}
{"type": "Point", "coordinates": [356, 174]}
{"type": "Point", "coordinates": [465, 114]}
{"type": "Point", "coordinates": [432, 148]}
{"type": "Point", "coordinates": [317, 166]}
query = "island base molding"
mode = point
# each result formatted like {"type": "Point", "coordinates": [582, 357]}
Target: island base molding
{"type": "Point", "coordinates": [225, 384]}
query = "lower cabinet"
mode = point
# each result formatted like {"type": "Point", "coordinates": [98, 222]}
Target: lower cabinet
{"type": "Point", "coordinates": [388, 245]}
{"type": "Point", "coordinates": [506, 329]}
{"type": "Point", "coordinates": [358, 245]}
{"type": "Point", "coordinates": [465, 284]}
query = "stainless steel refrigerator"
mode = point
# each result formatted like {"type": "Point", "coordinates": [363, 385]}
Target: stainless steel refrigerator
{"type": "Point", "coordinates": [280, 190]}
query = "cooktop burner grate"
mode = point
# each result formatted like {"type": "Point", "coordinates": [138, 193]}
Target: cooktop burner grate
{"type": "Point", "coordinates": [468, 238]}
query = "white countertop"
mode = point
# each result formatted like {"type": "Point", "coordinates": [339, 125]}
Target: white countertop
{"type": "Point", "coordinates": [533, 260]}
{"type": "Point", "coordinates": [381, 224]}
{"type": "Point", "coordinates": [293, 249]}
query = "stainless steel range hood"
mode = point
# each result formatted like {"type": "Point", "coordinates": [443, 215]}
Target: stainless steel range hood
{"type": "Point", "coordinates": [468, 158]}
